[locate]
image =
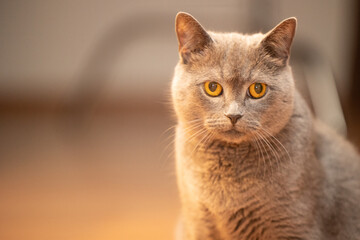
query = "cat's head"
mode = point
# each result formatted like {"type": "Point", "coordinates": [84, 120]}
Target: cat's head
{"type": "Point", "coordinates": [233, 85]}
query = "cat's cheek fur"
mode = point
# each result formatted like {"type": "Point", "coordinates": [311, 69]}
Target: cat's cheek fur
{"type": "Point", "coordinates": [280, 103]}
{"type": "Point", "coordinates": [182, 100]}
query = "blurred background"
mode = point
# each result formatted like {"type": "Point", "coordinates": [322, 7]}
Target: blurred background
{"type": "Point", "coordinates": [84, 105]}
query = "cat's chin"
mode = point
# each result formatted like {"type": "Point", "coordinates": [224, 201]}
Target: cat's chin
{"type": "Point", "coordinates": [233, 136]}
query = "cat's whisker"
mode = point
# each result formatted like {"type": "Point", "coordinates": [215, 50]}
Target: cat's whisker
{"type": "Point", "coordinates": [171, 143]}
{"type": "Point", "coordinates": [191, 127]}
{"type": "Point", "coordinates": [170, 137]}
{"type": "Point", "coordinates": [271, 145]}
{"type": "Point", "coordinates": [198, 144]}
{"type": "Point", "coordinates": [196, 124]}
{"type": "Point", "coordinates": [257, 152]}
{"type": "Point", "coordinates": [194, 120]}
{"type": "Point", "coordinates": [208, 139]}
{"type": "Point", "coordinates": [273, 150]}
{"type": "Point", "coordinates": [268, 159]}
{"type": "Point", "coordinates": [276, 144]}
{"type": "Point", "coordinates": [254, 142]}
{"type": "Point", "coordinates": [272, 140]}
{"type": "Point", "coordinates": [187, 122]}
{"type": "Point", "coordinates": [191, 123]}
{"type": "Point", "coordinates": [168, 129]}
{"type": "Point", "coordinates": [261, 151]}
{"type": "Point", "coordinates": [186, 130]}
{"type": "Point", "coordinates": [196, 134]}
{"type": "Point", "coordinates": [278, 141]}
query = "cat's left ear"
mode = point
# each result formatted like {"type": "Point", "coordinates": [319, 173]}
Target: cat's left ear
{"type": "Point", "coordinates": [277, 42]}
{"type": "Point", "coordinates": [192, 37]}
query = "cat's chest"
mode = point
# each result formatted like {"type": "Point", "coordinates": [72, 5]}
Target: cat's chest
{"type": "Point", "coordinates": [219, 163]}
{"type": "Point", "coordinates": [225, 176]}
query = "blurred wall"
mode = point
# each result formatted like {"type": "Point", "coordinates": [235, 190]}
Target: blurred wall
{"type": "Point", "coordinates": [127, 49]}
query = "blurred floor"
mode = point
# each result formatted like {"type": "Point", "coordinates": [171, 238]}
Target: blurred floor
{"type": "Point", "coordinates": [104, 180]}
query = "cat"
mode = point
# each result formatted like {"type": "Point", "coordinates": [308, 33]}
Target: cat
{"type": "Point", "coordinates": [252, 162]}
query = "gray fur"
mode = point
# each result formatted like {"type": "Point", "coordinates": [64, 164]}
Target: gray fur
{"type": "Point", "coordinates": [281, 174]}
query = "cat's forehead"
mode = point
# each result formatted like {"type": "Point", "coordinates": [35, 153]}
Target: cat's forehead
{"type": "Point", "coordinates": [233, 57]}
{"type": "Point", "coordinates": [236, 40]}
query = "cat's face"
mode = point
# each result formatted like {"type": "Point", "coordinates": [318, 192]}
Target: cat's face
{"type": "Point", "coordinates": [231, 85]}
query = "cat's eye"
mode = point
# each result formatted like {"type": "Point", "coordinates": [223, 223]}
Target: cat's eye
{"type": "Point", "coordinates": [213, 89]}
{"type": "Point", "coordinates": [257, 90]}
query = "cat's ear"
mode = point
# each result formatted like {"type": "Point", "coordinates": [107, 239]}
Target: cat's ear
{"type": "Point", "coordinates": [277, 42]}
{"type": "Point", "coordinates": [191, 36]}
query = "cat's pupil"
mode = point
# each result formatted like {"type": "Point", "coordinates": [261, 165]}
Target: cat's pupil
{"type": "Point", "coordinates": [258, 88]}
{"type": "Point", "coordinates": [213, 86]}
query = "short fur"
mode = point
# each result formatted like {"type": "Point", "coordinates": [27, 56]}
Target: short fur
{"type": "Point", "coordinates": [277, 173]}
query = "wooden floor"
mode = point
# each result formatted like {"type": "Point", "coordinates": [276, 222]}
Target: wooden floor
{"type": "Point", "coordinates": [98, 178]}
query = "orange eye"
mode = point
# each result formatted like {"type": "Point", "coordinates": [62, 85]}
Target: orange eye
{"type": "Point", "coordinates": [213, 89]}
{"type": "Point", "coordinates": [257, 90]}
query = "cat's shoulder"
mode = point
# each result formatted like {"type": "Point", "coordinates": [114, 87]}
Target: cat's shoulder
{"type": "Point", "coordinates": [338, 155]}
{"type": "Point", "coordinates": [328, 138]}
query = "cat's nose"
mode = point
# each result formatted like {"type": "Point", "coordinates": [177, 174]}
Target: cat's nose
{"type": "Point", "coordinates": [233, 117]}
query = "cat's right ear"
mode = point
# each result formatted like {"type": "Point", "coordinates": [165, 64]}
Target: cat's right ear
{"type": "Point", "coordinates": [277, 42]}
{"type": "Point", "coordinates": [192, 37]}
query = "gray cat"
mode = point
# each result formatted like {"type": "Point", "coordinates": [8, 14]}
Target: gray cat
{"type": "Point", "coordinates": [252, 162]}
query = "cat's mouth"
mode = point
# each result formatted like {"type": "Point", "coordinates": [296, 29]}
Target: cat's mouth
{"type": "Point", "coordinates": [233, 132]}
{"type": "Point", "coordinates": [233, 135]}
